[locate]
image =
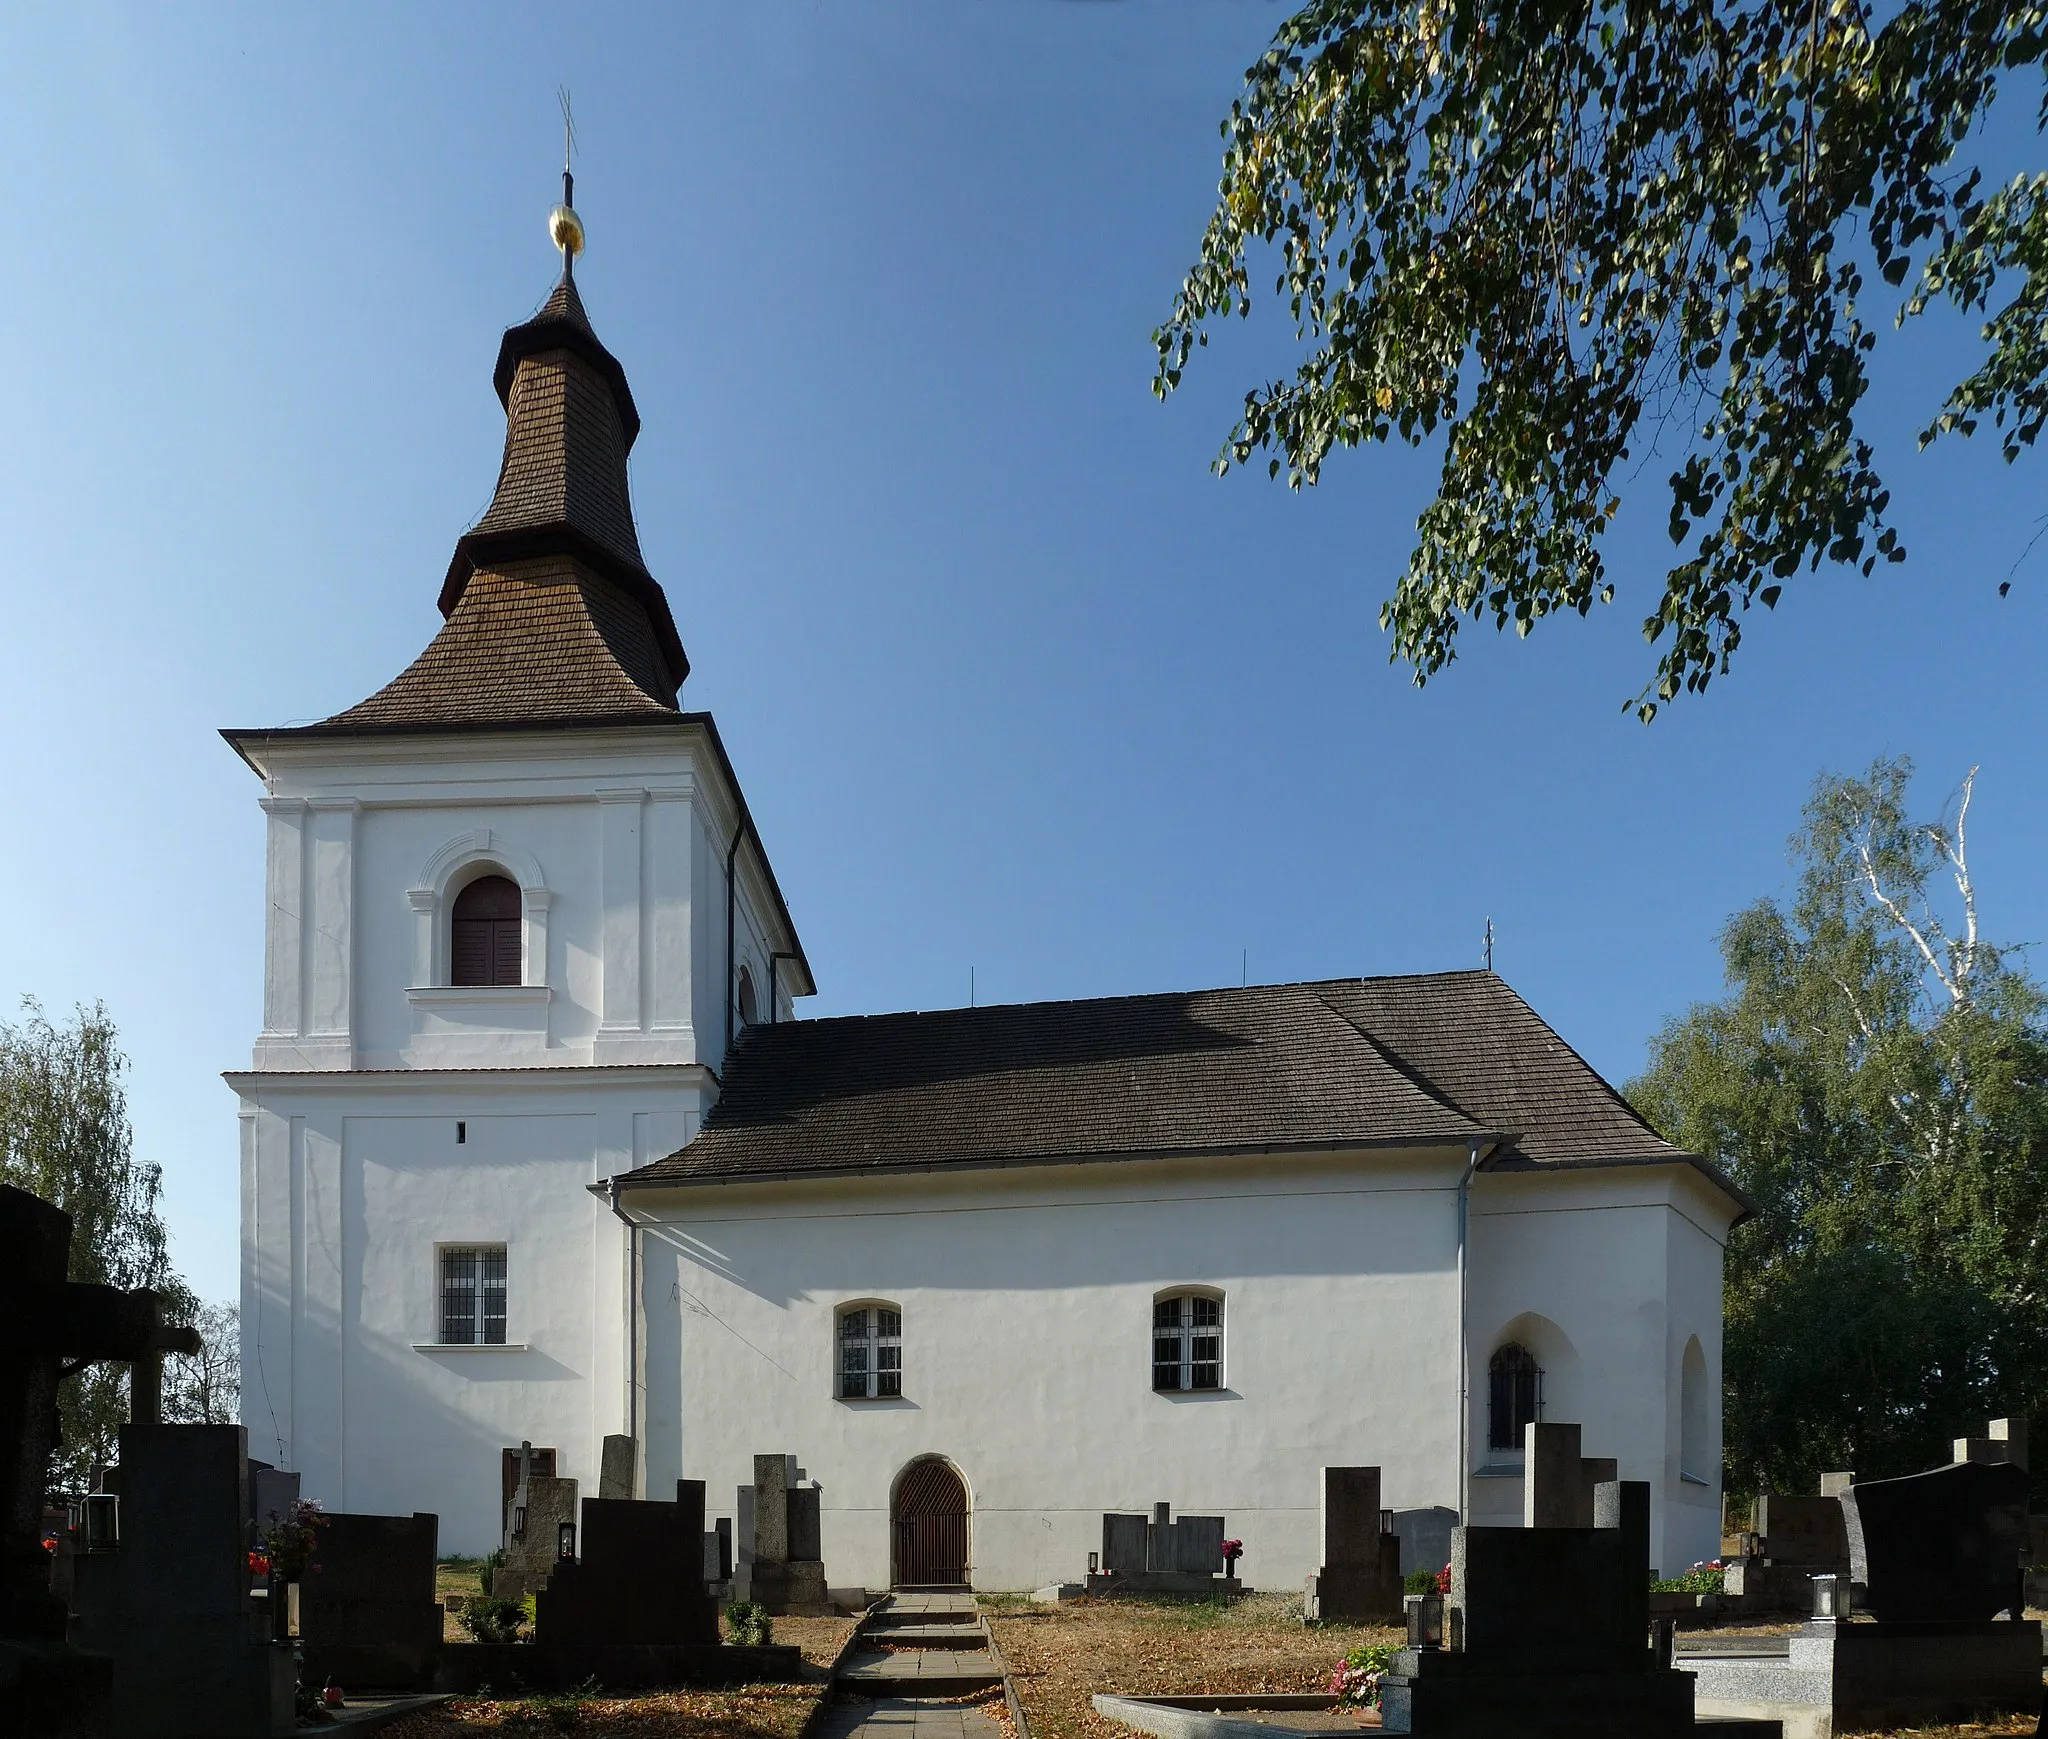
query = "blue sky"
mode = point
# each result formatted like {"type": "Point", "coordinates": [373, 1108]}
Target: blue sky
{"type": "Point", "coordinates": [1014, 683]}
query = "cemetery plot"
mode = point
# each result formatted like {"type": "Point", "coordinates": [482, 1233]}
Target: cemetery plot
{"type": "Point", "coordinates": [752, 1712]}
{"type": "Point", "coordinates": [1061, 1656]}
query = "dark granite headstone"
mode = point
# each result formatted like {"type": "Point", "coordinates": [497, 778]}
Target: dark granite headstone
{"type": "Point", "coordinates": [1550, 1631]}
{"type": "Point", "coordinates": [806, 1524]}
{"type": "Point", "coordinates": [1351, 1518]}
{"type": "Point", "coordinates": [1360, 1575]}
{"type": "Point", "coordinates": [192, 1649]}
{"type": "Point", "coordinates": [1123, 1544]}
{"type": "Point", "coordinates": [273, 1494]}
{"type": "Point", "coordinates": [369, 1617]}
{"type": "Point", "coordinates": [1195, 1546]}
{"type": "Point", "coordinates": [1942, 1545]}
{"type": "Point", "coordinates": [1425, 1537]}
{"type": "Point", "coordinates": [635, 1580]}
{"type": "Point", "coordinates": [718, 1551]}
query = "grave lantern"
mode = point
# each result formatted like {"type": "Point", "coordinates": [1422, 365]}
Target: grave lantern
{"type": "Point", "coordinates": [1831, 1596]}
{"type": "Point", "coordinates": [1093, 1557]}
{"type": "Point", "coordinates": [1425, 1620]}
{"type": "Point", "coordinates": [519, 1521]}
{"type": "Point", "coordinates": [102, 1521]}
{"type": "Point", "coordinates": [1386, 1521]}
{"type": "Point", "coordinates": [565, 1540]}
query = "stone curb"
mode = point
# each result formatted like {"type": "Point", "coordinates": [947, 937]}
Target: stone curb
{"type": "Point", "coordinates": [1208, 1718]}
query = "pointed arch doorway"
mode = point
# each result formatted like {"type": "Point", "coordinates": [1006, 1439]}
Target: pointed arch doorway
{"type": "Point", "coordinates": [929, 1517]}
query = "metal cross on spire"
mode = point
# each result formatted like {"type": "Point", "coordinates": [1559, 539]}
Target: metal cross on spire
{"type": "Point", "coordinates": [565, 228]}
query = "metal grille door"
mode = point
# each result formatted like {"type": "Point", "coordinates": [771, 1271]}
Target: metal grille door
{"type": "Point", "coordinates": [931, 1527]}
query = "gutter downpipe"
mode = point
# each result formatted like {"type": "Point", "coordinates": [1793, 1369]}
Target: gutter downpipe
{"type": "Point", "coordinates": [1465, 1336]}
{"type": "Point", "coordinates": [632, 1323]}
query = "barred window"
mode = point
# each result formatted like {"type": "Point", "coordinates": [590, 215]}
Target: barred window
{"type": "Point", "coordinates": [1514, 1396]}
{"type": "Point", "coordinates": [870, 1351]}
{"type": "Point", "coordinates": [473, 1297]}
{"type": "Point", "coordinates": [1187, 1341]}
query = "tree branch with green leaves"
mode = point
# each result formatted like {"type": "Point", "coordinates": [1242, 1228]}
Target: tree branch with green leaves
{"type": "Point", "coordinates": [1566, 235]}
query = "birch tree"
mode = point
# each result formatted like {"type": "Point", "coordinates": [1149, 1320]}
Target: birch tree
{"type": "Point", "coordinates": [1877, 1081]}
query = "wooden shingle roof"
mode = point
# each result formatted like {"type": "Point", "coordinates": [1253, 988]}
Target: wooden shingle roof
{"type": "Point", "coordinates": [1433, 1060]}
{"type": "Point", "coordinates": [551, 614]}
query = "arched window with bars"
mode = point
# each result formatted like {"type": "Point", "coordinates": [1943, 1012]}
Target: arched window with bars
{"type": "Point", "coordinates": [1514, 1396]}
{"type": "Point", "coordinates": [485, 933]}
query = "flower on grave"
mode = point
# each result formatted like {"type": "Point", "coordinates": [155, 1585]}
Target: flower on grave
{"type": "Point", "coordinates": [1358, 1675]}
{"type": "Point", "coordinates": [289, 1543]}
{"type": "Point", "coordinates": [259, 1565]}
{"type": "Point", "coordinates": [1232, 1551]}
{"type": "Point", "coordinates": [1443, 1580]}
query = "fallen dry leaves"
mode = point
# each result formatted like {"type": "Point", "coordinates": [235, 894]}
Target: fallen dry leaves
{"type": "Point", "coordinates": [1060, 1656]}
{"type": "Point", "coordinates": [749, 1712]}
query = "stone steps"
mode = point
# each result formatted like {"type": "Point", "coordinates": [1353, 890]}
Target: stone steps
{"type": "Point", "coordinates": [939, 1647]}
{"type": "Point", "coordinates": [954, 1636]}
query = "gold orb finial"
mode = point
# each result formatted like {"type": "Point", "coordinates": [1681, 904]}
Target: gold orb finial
{"type": "Point", "coordinates": [565, 230]}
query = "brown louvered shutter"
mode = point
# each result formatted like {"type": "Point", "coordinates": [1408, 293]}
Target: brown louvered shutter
{"type": "Point", "coordinates": [484, 936]}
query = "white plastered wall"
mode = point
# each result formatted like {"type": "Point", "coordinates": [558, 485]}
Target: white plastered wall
{"type": "Point", "coordinates": [1604, 1275]}
{"type": "Point", "coordinates": [345, 1205]}
{"type": "Point", "coordinates": [1027, 1300]}
{"type": "Point", "coordinates": [368, 1059]}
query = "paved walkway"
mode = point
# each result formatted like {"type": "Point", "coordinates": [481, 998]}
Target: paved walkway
{"type": "Point", "coordinates": [907, 1718]}
{"type": "Point", "coordinates": [938, 1638]}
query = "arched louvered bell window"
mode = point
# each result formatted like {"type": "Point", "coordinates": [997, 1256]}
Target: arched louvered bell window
{"type": "Point", "coordinates": [484, 937]}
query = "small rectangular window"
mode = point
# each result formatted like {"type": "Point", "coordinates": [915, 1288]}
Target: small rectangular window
{"type": "Point", "coordinates": [870, 1353]}
{"type": "Point", "coordinates": [1187, 1342]}
{"type": "Point", "coordinates": [473, 1296]}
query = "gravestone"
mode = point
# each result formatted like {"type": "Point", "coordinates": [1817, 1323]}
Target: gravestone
{"type": "Point", "coordinates": [1548, 1629]}
{"type": "Point", "coordinates": [780, 1518]}
{"type": "Point", "coordinates": [1158, 1555]}
{"type": "Point", "coordinates": [192, 1650]}
{"type": "Point", "coordinates": [1935, 1558]}
{"type": "Point", "coordinates": [1360, 1577]}
{"type": "Point", "coordinates": [539, 1505]}
{"type": "Point", "coordinates": [1124, 1545]}
{"type": "Point", "coordinates": [1557, 1481]}
{"type": "Point", "coordinates": [615, 1468]}
{"type": "Point", "coordinates": [630, 1584]}
{"type": "Point", "coordinates": [1944, 1545]}
{"type": "Point", "coordinates": [51, 1323]}
{"type": "Point", "coordinates": [1425, 1537]}
{"type": "Point", "coordinates": [273, 1495]}
{"type": "Point", "coordinates": [1797, 1539]}
{"type": "Point", "coordinates": [369, 1617]}
{"type": "Point", "coordinates": [2004, 1440]}
{"type": "Point", "coordinates": [515, 1466]}
{"type": "Point", "coordinates": [718, 1564]}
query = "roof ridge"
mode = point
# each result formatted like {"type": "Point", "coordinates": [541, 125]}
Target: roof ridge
{"type": "Point", "coordinates": [1237, 990]}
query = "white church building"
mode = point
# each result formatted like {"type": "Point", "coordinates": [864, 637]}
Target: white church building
{"type": "Point", "coordinates": [534, 1148]}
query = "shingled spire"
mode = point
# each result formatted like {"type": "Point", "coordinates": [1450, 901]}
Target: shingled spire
{"type": "Point", "coordinates": [551, 612]}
